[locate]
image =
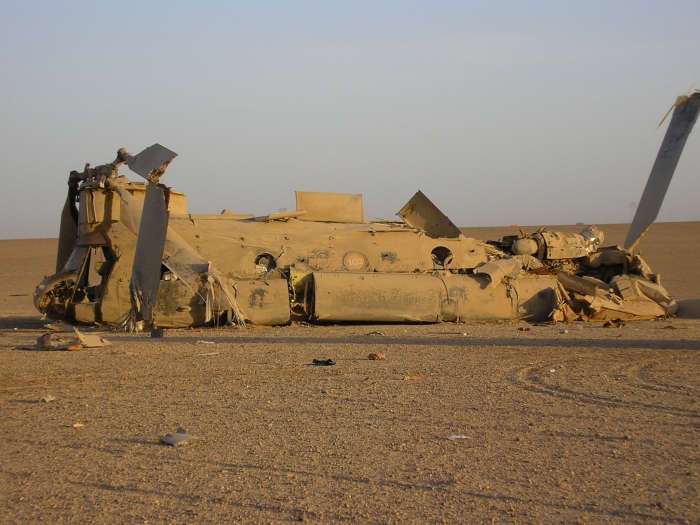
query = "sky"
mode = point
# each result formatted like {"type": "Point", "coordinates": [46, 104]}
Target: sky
{"type": "Point", "coordinates": [500, 112]}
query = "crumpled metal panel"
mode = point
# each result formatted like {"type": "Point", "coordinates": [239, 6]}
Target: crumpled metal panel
{"type": "Point", "coordinates": [421, 213]}
{"type": "Point", "coordinates": [150, 159]}
{"type": "Point", "coordinates": [500, 269]}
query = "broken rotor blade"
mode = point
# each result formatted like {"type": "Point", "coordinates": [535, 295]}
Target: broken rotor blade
{"type": "Point", "coordinates": [421, 213]}
{"type": "Point", "coordinates": [68, 231]}
{"type": "Point", "coordinates": [684, 116]}
{"type": "Point", "coordinates": [150, 159]}
{"type": "Point", "coordinates": [145, 273]}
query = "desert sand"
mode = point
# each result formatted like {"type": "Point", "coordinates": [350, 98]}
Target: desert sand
{"type": "Point", "coordinates": [467, 423]}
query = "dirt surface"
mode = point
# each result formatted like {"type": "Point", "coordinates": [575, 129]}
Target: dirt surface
{"type": "Point", "coordinates": [595, 425]}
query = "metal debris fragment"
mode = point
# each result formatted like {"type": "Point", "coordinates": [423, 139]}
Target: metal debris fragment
{"type": "Point", "coordinates": [178, 438]}
{"type": "Point", "coordinates": [323, 362]}
{"type": "Point", "coordinates": [614, 323]}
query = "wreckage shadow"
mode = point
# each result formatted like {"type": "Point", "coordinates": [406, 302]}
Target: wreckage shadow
{"type": "Point", "coordinates": [458, 341]}
{"type": "Point", "coordinates": [29, 321]}
{"type": "Point", "coordinates": [688, 309]}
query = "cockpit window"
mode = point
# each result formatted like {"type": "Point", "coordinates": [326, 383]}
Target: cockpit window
{"type": "Point", "coordinates": [98, 263]}
{"type": "Point", "coordinates": [75, 261]}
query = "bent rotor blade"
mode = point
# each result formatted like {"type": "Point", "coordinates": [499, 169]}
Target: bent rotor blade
{"type": "Point", "coordinates": [145, 273]}
{"type": "Point", "coordinates": [684, 116]}
{"type": "Point", "coordinates": [150, 159]}
{"type": "Point", "coordinates": [68, 231]}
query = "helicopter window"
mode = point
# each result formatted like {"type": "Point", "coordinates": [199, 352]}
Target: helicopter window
{"type": "Point", "coordinates": [76, 259]}
{"type": "Point", "coordinates": [99, 261]}
{"type": "Point", "coordinates": [442, 256]}
{"type": "Point", "coordinates": [265, 263]}
{"type": "Point", "coordinates": [166, 274]}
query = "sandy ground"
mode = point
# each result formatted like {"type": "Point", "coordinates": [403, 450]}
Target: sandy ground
{"type": "Point", "coordinates": [594, 425]}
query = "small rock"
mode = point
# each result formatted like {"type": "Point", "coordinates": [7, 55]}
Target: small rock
{"type": "Point", "coordinates": [323, 362]}
{"type": "Point", "coordinates": [411, 378]}
{"type": "Point", "coordinates": [563, 331]}
{"type": "Point", "coordinates": [78, 425]}
{"type": "Point", "coordinates": [47, 399]}
{"type": "Point", "coordinates": [375, 357]}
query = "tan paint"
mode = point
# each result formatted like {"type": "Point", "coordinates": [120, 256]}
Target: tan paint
{"type": "Point", "coordinates": [323, 262]}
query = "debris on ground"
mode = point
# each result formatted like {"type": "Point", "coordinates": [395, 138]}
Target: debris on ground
{"type": "Point", "coordinates": [47, 399]}
{"type": "Point", "coordinates": [458, 436]}
{"type": "Point", "coordinates": [524, 329]}
{"type": "Point", "coordinates": [374, 333]}
{"type": "Point", "coordinates": [376, 357]}
{"type": "Point", "coordinates": [59, 327]}
{"type": "Point", "coordinates": [92, 340]}
{"type": "Point", "coordinates": [53, 341]}
{"type": "Point", "coordinates": [411, 378]}
{"type": "Point", "coordinates": [614, 323]}
{"type": "Point", "coordinates": [323, 362]}
{"type": "Point", "coordinates": [178, 438]}
{"type": "Point", "coordinates": [78, 425]}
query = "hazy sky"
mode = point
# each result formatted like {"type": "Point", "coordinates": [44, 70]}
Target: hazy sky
{"type": "Point", "coordinates": [501, 112]}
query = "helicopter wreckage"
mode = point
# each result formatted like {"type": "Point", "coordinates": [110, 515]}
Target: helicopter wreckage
{"type": "Point", "coordinates": [132, 256]}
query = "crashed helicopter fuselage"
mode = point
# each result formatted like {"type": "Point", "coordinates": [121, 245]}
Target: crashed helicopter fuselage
{"type": "Point", "coordinates": [132, 255]}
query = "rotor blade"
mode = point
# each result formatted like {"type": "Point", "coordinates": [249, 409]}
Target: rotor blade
{"type": "Point", "coordinates": [68, 231]}
{"type": "Point", "coordinates": [684, 116]}
{"type": "Point", "coordinates": [148, 257]}
{"type": "Point", "coordinates": [150, 159]}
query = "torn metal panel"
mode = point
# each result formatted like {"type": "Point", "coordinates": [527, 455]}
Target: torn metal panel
{"type": "Point", "coordinates": [152, 158]}
{"type": "Point", "coordinates": [421, 213]}
{"type": "Point", "coordinates": [499, 269]}
{"type": "Point", "coordinates": [330, 207]}
{"type": "Point", "coordinates": [658, 294]}
{"type": "Point", "coordinates": [684, 116]}
{"type": "Point", "coordinates": [188, 265]}
{"type": "Point", "coordinates": [601, 308]}
{"type": "Point", "coordinates": [577, 284]}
